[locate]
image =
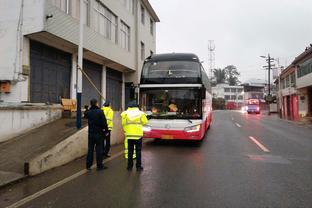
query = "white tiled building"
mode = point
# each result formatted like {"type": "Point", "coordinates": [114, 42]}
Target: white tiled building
{"type": "Point", "coordinates": [229, 93]}
{"type": "Point", "coordinates": [39, 46]}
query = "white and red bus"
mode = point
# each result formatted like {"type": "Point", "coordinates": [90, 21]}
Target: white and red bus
{"type": "Point", "coordinates": [175, 93]}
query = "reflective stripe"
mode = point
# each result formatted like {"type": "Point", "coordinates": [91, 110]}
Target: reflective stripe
{"type": "Point", "coordinates": [134, 135]}
{"type": "Point", "coordinates": [130, 122]}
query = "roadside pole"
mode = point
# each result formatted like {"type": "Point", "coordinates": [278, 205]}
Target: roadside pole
{"type": "Point", "coordinates": [269, 82]}
{"type": "Point", "coordinates": [79, 73]}
{"type": "Point", "coordinates": [269, 60]}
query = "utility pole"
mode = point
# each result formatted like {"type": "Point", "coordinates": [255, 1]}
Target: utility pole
{"type": "Point", "coordinates": [269, 60]}
{"type": "Point", "coordinates": [79, 68]}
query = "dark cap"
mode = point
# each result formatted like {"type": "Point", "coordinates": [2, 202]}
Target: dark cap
{"type": "Point", "coordinates": [107, 103]}
{"type": "Point", "coordinates": [132, 104]}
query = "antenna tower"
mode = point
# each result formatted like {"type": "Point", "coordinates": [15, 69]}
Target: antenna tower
{"type": "Point", "coordinates": [211, 49]}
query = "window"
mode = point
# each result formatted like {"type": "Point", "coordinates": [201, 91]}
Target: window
{"type": "Point", "coordinates": [124, 36]}
{"type": "Point", "coordinates": [233, 90]}
{"type": "Point", "coordinates": [142, 51]}
{"type": "Point", "coordinates": [287, 81]}
{"type": "Point", "coordinates": [226, 89]}
{"type": "Point", "coordinates": [226, 97]}
{"type": "Point", "coordinates": [129, 5]}
{"type": "Point", "coordinates": [63, 5]}
{"type": "Point", "coordinates": [305, 68]}
{"type": "Point", "coordinates": [240, 97]}
{"type": "Point", "coordinates": [292, 79]}
{"type": "Point", "coordinates": [151, 27]}
{"type": "Point", "coordinates": [233, 97]}
{"type": "Point", "coordinates": [142, 15]}
{"type": "Point", "coordinates": [105, 22]}
{"type": "Point", "coordinates": [239, 90]}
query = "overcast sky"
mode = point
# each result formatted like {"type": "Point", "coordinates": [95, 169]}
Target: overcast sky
{"type": "Point", "coordinates": [241, 29]}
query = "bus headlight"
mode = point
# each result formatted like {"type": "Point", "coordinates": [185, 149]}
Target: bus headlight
{"type": "Point", "coordinates": [146, 128]}
{"type": "Point", "coordinates": [192, 128]}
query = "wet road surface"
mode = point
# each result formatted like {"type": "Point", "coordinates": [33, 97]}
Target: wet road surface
{"type": "Point", "coordinates": [244, 161]}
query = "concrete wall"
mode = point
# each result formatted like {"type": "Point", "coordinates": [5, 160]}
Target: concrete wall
{"type": "Point", "coordinates": [304, 81]}
{"type": "Point", "coordinates": [17, 119]}
{"type": "Point", "coordinates": [71, 148]}
{"type": "Point", "coordinates": [30, 18]}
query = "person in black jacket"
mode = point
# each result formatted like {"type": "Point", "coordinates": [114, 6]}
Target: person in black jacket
{"type": "Point", "coordinates": [97, 130]}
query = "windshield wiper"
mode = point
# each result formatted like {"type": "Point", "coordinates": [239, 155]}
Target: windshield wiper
{"type": "Point", "coordinates": [189, 120]}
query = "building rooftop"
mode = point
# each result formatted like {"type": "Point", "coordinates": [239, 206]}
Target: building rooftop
{"type": "Point", "coordinates": [151, 10]}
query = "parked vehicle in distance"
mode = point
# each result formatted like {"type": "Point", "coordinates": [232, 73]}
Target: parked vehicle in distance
{"type": "Point", "coordinates": [253, 106]}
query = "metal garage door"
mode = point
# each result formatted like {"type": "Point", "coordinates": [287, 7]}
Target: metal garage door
{"type": "Point", "coordinates": [114, 88]}
{"type": "Point", "coordinates": [49, 74]}
{"type": "Point", "coordinates": [94, 71]}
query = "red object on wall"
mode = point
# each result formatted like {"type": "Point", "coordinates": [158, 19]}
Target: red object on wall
{"type": "Point", "coordinates": [295, 108]}
{"type": "Point", "coordinates": [5, 87]}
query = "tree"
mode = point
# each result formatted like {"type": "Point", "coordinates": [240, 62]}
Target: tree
{"type": "Point", "coordinates": [231, 75]}
{"type": "Point", "coordinates": [219, 75]}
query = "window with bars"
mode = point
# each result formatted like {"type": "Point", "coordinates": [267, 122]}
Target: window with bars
{"type": "Point", "coordinates": [151, 27]}
{"type": "Point", "coordinates": [105, 22]}
{"type": "Point", "coordinates": [142, 51]}
{"type": "Point", "coordinates": [124, 36]}
{"type": "Point", "coordinates": [142, 15]}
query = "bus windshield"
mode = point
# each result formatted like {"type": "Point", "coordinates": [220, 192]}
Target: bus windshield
{"type": "Point", "coordinates": [171, 72]}
{"type": "Point", "coordinates": [171, 103]}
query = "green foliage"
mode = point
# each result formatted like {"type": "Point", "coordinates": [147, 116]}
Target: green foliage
{"type": "Point", "coordinates": [219, 75]}
{"type": "Point", "coordinates": [232, 75]}
{"type": "Point", "coordinates": [227, 75]}
{"type": "Point", "coordinates": [218, 103]}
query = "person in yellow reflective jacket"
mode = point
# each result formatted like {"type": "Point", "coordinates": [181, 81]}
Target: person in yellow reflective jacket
{"type": "Point", "coordinates": [133, 121]}
{"type": "Point", "coordinates": [109, 114]}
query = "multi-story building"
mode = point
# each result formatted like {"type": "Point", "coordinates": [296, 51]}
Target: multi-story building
{"type": "Point", "coordinates": [39, 45]}
{"type": "Point", "coordinates": [233, 95]}
{"type": "Point", "coordinates": [254, 89]}
{"type": "Point", "coordinates": [295, 88]}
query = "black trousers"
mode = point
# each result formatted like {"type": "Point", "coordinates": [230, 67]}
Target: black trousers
{"type": "Point", "coordinates": [106, 143]}
{"type": "Point", "coordinates": [95, 140]}
{"type": "Point", "coordinates": [138, 148]}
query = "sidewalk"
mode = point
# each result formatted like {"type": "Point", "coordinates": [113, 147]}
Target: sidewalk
{"type": "Point", "coordinates": [15, 152]}
{"type": "Point", "coordinates": [304, 122]}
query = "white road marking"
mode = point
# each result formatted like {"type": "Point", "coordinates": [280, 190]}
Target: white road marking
{"type": "Point", "coordinates": [238, 125]}
{"type": "Point", "coordinates": [232, 119]}
{"type": "Point", "coordinates": [259, 144]}
{"type": "Point", "coordinates": [58, 184]}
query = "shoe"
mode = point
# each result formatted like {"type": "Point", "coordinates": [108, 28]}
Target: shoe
{"type": "Point", "coordinates": [101, 168]}
{"type": "Point", "coordinates": [129, 168]}
{"type": "Point", "coordinates": [140, 168]}
{"type": "Point", "coordinates": [106, 155]}
{"type": "Point", "coordinates": [88, 168]}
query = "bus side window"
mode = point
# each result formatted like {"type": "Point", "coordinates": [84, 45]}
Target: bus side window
{"type": "Point", "coordinates": [203, 92]}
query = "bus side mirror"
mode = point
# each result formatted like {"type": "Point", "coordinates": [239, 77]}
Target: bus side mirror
{"type": "Point", "coordinates": [203, 93]}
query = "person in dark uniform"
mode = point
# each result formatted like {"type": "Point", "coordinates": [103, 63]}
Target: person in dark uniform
{"type": "Point", "coordinates": [97, 129]}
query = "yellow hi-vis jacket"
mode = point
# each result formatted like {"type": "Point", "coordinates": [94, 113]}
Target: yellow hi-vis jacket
{"type": "Point", "coordinates": [133, 121]}
{"type": "Point", "coordinates": [109, 114]}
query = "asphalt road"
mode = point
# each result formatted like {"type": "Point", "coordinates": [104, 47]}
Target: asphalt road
{"type": "Point", "coordinates": [245, 161]}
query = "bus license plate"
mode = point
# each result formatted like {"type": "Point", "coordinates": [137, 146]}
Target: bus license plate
{"type": "Point", "coordinates": [167, 137]}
